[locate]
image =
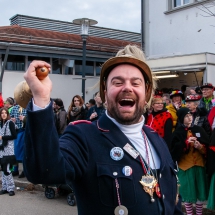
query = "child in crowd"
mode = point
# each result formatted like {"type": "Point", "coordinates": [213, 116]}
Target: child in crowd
{"type": "Point", "coordinates": [7, 157]}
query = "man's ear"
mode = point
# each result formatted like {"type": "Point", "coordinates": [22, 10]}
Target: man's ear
{"type": "Point", "coordinates": [105, 92]}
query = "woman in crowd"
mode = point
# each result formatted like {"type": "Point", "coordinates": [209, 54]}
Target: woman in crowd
{"type": "Point", "coordinates": [160, 120]}
{"type": "Point", "coordinates": [176, 97]}
{"type": "Point", "coordinates": [7, 157]}
{"type": "Point", "coordinates": [76, 110]}
{"type": "Point", "coordinates": [189, 144]}
{"type": "Point", "coordinates": [199, 114]}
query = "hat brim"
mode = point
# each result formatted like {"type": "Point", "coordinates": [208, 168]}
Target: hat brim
{"type": "Point", "coordinates": [207, 87]}
{"type": "Point", "coordinates": [110, 64]}
{"type": "Point", "coordinates": [177, 94]}
{"type": "Point", "coordinates": [192, 100]}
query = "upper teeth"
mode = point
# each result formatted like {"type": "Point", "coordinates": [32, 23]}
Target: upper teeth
{"type": "Point", "coordinates": [127, 100]}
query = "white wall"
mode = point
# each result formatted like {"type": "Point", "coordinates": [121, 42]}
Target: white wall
{"type": "Point", "coordinates": [64, 86]}
{"type": "Point", "coordinates": [177, 33]}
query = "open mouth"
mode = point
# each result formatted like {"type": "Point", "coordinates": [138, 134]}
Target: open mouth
{"type": "Point", "coordinates": [127, 102]}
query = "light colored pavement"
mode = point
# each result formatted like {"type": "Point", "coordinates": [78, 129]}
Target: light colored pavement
{"type": "Point", "coordinates": [34, 203]}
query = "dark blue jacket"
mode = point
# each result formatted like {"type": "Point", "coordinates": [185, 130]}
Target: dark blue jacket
{"type": "Point", "coordinates": [83, 158]}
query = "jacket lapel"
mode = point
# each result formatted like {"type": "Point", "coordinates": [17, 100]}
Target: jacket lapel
{"type": "Point", "coordinates": [119, 139]}
{"type": "Point", "coordinates": [113, 133]}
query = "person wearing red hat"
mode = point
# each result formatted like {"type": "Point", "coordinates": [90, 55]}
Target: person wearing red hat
{"type": "Point", "coordinates": [160, 120]}
{"type": "Point", "coordinates": [207, 96]}
{"type": "Point", "coordinates": [199, 114]}
{"type": "Point", "coordinates": [176, 97]}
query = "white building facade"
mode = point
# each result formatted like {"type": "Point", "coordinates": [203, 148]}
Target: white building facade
{"type": "Point", "coordinates": [179, 37]}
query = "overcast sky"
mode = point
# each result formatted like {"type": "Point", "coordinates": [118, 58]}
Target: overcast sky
{"type": "Point", "coordinates": [117, 14]}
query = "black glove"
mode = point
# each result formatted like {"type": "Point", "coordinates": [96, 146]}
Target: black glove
{"type": "Point", "coordinates": [1, 147]}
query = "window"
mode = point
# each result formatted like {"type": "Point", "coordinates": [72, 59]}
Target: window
{"type": "Point", "coordinates": [98, 68]}
{"type": "Point", "coordinates": [31, 58]}
{"type": "Point", "coordinates": [15, 62]}
{"type": "Point", "coordinates": [68, 66]}
{"type": "Point", "coordinates": [89, 69]}
{"type": "Point", "coordinates": [68, 70]}
{"type": "Point", "coordinates": [56, 66]}
{"type": "Point", "coordinates": [178, 3]}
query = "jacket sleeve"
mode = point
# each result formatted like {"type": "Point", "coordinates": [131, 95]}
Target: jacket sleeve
{"type": "Point", "coordinates": [168, 132]}
{"type": "Point", "coordinates": [207, 126]}
{"type": "Point", "coordinates": [48, 160]}
{"type": "Point", "coordinates": [62, 120]}
{"type": "Point", "coordinates": [177, 147]}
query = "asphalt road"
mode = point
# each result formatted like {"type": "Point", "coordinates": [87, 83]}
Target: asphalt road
{"type": "Point", "coordinates": [34, 203]}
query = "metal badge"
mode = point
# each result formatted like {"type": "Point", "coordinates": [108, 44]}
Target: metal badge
{"type": "Point", "coordinates": [116, 153]}
{"type": "Point", "coordinates": [121, 210]}
{"type": "Point", "coordinates": [131, 151]}
{"type": "Point", "coordinates": [127, 170]}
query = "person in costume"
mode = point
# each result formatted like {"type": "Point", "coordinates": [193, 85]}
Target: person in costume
{"type": "Point", "coordinates": [7, 157]}
{"type": "Point", "coordinates": [189, 146]}
{"type": "Point", "coordinates": [116, 164]}
{"type": "Point", "coordinates": [176, 97]}
{"type": "Point", "coordinates": [211, 172]}
{"type": "Point", "coordinates": [161, 120]}
{"type": "Point", "coordinates": [200, 115]}
{"type": "Point", "coordinates": [17, 116]}
{"type": "Point", "coordinates": [207, 96]}
{"type": "Point", "coordinates": [9, 103]}
{"type": "Point", "coordinates": [211, 162]}
{"type": "Point", "coordinates": [211, 116]}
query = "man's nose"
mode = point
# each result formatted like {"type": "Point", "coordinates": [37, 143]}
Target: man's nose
{"type": "Point", "coordinates": [127, 87]}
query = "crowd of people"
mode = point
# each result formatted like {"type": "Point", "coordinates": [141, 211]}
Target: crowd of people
{"type": "Point", "coordinates": [185, 121]}
{"type": "Point", "coordinates": [187, 126]}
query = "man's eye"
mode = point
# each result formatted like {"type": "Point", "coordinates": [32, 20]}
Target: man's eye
{"type": "Point", "coordinates": [117, 83]}
{"type": "Point", "coordinates": [136, 83]}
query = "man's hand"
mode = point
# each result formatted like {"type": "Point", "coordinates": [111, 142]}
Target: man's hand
{"type": "Point", "coordinates": [41, 89]}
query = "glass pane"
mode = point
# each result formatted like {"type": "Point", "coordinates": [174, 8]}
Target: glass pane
{"type": "Point", "coordinates": [68, 66]}
{"type": "Point", "coordinates": [15, 62]}
{"type": "Point", "coordinates": [56, 67]}
{"type": "Point", "coordinates": [88, 69]}
{"type": "Point", "coordinates": [31, 58]}
{"type": "Point", "coordinates": [98, 68]}
{"type": "Point", "coordinates": [68, 70]}
{"type": "Point", "coordinates": [177, 3]}
{"type": "Point", "coordinates": [186, 1]}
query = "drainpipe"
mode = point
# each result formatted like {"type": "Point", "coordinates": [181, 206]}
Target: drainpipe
{"type": "Point", "coordinates": [4, 65]}
{"type": "Point", "coordinates": [142, 26]}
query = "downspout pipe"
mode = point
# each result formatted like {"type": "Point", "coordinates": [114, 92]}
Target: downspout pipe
{"type": "Point", "coordinates": [4, 65]}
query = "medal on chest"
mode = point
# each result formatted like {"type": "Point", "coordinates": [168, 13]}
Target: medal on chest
{"type": "Point", "coordinates": [149, 183]}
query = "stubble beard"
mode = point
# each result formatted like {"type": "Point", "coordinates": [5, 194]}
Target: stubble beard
{"type": "Point", "coordinates": [114, 112]}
